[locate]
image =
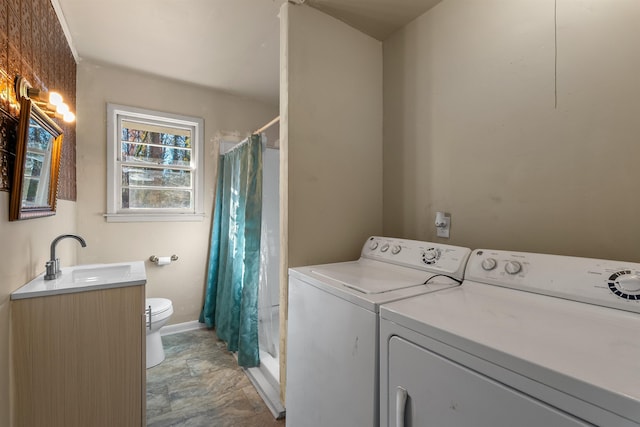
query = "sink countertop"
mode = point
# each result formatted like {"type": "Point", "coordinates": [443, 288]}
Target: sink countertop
{"type": "Point", "coordinates": [82, 278]}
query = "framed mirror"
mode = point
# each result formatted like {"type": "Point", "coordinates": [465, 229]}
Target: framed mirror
{"type": "Point", "coordinates": [35, 176]}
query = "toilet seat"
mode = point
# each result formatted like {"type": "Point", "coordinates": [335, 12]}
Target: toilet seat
{"type": "Point", "coordinates": [158, 306]}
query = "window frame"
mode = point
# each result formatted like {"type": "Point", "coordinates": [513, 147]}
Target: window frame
{"type": "Point", "coordinates": [115, 115]}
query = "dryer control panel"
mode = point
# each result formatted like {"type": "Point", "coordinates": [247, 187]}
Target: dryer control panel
{"type": "Point", "coordinates": [435, 257]}
{"type": "Point", "coordinates": [614, 284]}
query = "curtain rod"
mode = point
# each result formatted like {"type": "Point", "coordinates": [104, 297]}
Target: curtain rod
{"type": "Point", "coordinates": [262, 129]}
{"type": "Point", "coordinates": [267, 126]}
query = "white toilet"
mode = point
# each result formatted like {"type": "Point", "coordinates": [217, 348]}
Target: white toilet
{"type": "Point", "coordinates": [161, 311]}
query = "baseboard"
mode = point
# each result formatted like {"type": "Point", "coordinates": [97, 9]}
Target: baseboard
{"type": "Point", "coordinates": [182, 327]}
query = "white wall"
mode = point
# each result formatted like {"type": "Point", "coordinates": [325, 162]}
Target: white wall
{"type": "Point", "coordinates": [471, 126]}
{"type": "Point", "coordinates": [24, 250]}
{"type": "Point", "coordinates": [182, 281]}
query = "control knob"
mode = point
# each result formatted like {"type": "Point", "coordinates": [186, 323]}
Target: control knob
{"type": "Point", "coordinates": [396, 249]}
{"type": "Point", "coordinates": [629, 283]}
{"type": "Point", "coordinates": [384, 247]}
{"type": "Point", "coordinates": [513, 267]}
{"type": "Point", "coordinates": [430, 256]}
{"type": "Point", "coordinates": [625, 284]}
{"type": "Point", "coordinates": [489, 264]}
{"type": "Point", "coordinates": [373, 245]}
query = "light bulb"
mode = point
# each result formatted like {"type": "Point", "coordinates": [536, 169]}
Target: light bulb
{"type": "Point", "coordinates": [55, 98]}
{"type": "Point", "coordinates": [62, 108]}
{"type": "Point", "coordinates": [69, 117]}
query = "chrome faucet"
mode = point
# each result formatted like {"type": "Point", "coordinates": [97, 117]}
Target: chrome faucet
{"type": "Point", "coordinates": [53, 265]}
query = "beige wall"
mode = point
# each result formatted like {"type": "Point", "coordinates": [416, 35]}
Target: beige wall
{"type": "Point", "coordinates": [471, 126]}
{"type": "Point", "coordinates": [182, 281]}
{"type": "Point", "coordinates": [331, 101]}
{"type": "Point", "coordinates": [23, 252]}
{"type": "Point", "coordinates": [330, 144]}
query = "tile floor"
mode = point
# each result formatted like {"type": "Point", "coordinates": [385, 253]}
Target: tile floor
{"type": "Point", "coordinates": [199, 384]}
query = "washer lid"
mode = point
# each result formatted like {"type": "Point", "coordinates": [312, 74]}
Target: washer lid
{"type": "Point", "coordinates": [372, 277]}
{"type": "Point", "coordinates": [158, 305]}
{"type": "Point", "coordinates": [369, 283]}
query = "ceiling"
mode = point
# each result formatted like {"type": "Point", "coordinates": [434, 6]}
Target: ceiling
{"type": "Point", "coordinates": [229, 45]}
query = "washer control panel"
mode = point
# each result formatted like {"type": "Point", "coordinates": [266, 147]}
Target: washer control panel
{"type": "Point", "coordinates": [613, 284]}
{"type": "Point", "coordinates": [435, 257]}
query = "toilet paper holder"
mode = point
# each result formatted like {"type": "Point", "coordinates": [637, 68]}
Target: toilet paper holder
{"type": "Point", "coordinates": [155, 259]}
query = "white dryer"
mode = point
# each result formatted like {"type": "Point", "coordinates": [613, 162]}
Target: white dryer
{"type": "Point", "coordinates": [527, 340]}
{"type": "Point", "coordinates": [332, 341]}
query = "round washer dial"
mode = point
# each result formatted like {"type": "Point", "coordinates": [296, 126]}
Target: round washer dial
{"type": "Point", "coordinates": [489, 264]}
{"type": "Point", "coordinates": [625, 284]}
{"type": "Point", "coordinates": [430, 256]}
{"type": "Point", "coordinates": [513, 267]}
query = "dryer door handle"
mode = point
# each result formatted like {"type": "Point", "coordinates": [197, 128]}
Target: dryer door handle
{"type": "Point", "coordinates": [401, 404]}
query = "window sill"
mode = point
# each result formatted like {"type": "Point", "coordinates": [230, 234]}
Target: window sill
{"type": "Point", "coordinates": [154, 217]}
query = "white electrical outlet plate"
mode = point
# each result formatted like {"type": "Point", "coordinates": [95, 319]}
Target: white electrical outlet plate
{"type": "Point", "coordinates": [444, 231]}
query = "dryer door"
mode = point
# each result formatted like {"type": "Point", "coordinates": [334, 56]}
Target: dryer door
{"type": "Point", "coordinates": [425, 389]}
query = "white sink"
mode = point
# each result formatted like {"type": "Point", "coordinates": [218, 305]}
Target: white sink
{"type": "Point", "coordinates": [82, 278]}
{"type": "Point", "coordinates": [100, 273]}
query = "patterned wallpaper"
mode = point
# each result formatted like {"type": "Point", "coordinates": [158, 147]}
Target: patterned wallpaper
{"type": "Point", "coordinates": [33, 45]}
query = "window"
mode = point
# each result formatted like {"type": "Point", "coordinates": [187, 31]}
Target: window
{"type": "Point", "coordinates": [155, 166]}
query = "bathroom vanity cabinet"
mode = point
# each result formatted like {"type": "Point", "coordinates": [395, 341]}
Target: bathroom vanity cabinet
{"type": "Point", "coordinates": [79, 359]}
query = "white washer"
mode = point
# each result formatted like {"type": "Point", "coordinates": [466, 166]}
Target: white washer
{"type": "Point", "coordinates": [332, 341]}
{"type": "Point", "coordinates": [527, 340]}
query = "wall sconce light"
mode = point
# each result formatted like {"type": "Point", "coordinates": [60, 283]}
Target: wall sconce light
{"type": "Point", "coordinates": [50, 102]}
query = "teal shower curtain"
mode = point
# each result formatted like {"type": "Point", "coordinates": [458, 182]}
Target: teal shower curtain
{"type": "Point", "coordinates": [231, 298]}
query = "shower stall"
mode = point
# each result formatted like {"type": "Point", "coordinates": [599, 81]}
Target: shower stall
{"type": "Point", "coordinates": [266, 377]}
